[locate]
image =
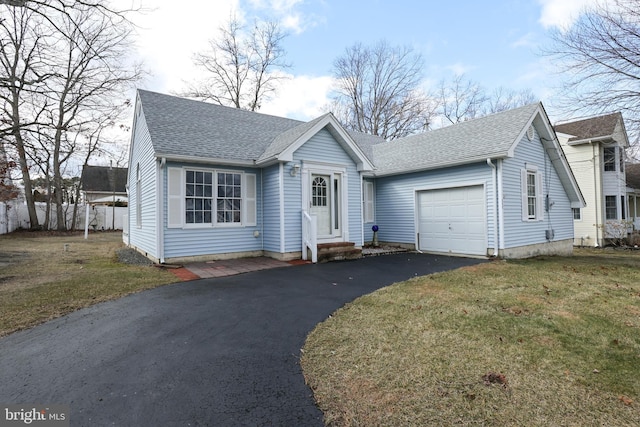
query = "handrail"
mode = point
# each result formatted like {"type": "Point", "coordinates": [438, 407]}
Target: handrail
{"type": "Point", "coordinates": [309, 236]}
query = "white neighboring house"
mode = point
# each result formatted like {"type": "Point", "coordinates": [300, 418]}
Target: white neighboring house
{"type": "Point", "coordinates": [595, 149]}
{"type": "Point", "coordinates": [632, 171]}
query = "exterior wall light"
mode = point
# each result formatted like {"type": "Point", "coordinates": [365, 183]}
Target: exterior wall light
{"type": "Point", "coordinates": [294, 169]}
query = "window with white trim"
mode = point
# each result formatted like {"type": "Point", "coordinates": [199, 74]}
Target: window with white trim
{"type": "Point", "coordinates": [609, 159]}
{"type": "Point", "coordinates": [532, 199]}
{"type": "Point", "coordinates": [229, 200]}
{"type": "Point", "coordinates": [611, 207]}
{"type": "Point", "coordinates": [198, 197]}
{"type": "Point", "coordinates": [368, 195]}
{"type": "Point", "coordinates": [577, 214]}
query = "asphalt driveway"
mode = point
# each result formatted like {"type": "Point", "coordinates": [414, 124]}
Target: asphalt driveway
{"type": "Point", "coordinates": [219, 352]}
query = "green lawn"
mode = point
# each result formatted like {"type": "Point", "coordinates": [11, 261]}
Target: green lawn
{"type": "Point", "coordinates": [539, 342]}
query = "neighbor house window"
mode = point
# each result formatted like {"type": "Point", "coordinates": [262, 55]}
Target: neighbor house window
{"type": "Point", "coordinates": [577, 214]}
{"type": "Point", "coordinates": [611, 207]}
{"type": "Point", "coordinates": [609, 159]}
{"type": "Point", "coordinates": [532, 206]}
{"type": "Point", "coordinates": [199, 196]}
{"type": "Point", "coordinates": [229, 200]}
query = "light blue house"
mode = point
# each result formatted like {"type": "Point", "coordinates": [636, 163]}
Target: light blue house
{"type": "Point", "coordinates": [210, 182]}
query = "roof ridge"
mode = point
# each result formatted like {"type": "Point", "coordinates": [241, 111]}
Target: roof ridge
{"type": "Point", "coordinates": [220, 106]}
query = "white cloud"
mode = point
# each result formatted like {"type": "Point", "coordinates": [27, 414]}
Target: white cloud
{"type": "Point", "coordinates": [300, 97]}
{"type": "Point", "coordinates": [562, 13]}
{"type": "Point", "coordinates": [170, 33]}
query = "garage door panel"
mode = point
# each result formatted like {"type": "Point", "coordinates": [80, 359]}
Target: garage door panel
{"type": "Point", "coordinates": [452, 220]}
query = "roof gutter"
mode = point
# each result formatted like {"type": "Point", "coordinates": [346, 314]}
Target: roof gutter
{"type": "Point", "coordinates": [208, 160]}
{"type": "Point", "coordinates": [603, 139]}
{"type": "Point", "coordinates": [435, 166]}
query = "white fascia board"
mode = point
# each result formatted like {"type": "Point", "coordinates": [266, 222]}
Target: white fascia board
{"type": "Point", "coordinates": [338, 133]}
{"type": "Point", "coordinates": [207, 160]}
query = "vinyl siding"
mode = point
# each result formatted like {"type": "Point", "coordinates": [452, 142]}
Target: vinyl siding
{"type": "Point", "coordinates": [144, 237]}
{"type": "Point", "coordinates": [216, 239]}
{"type": "Point", "coordinates": [396, 199]}
{"type": "Point", "coordinates": [582, 159]}
{"type": "Point", "coordinates": [560, 217]}
{"type": "Point", "coordinates": [322, 148]}
{"type": "Point", "coordinates": [270, 200]}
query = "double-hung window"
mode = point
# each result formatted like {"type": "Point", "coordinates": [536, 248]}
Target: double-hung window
{"type": "Point", "coordinates": [611, 207]}
{"type": "Point", "coordinates": [200, 197]}
{"type": "Point", "coordinates": [532, 199]}
{"type": "Point", "coordinates": [229, 200]}
{"type": "Point", "coordinates": [198, 201]}
{"type": "Point", "coordinates": [609, 159]}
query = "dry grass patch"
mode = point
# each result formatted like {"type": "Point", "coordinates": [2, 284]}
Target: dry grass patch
{"type": "Point", "coordinates": [46, 276]}
{"type": "Point", "coordinates": [547, 341]}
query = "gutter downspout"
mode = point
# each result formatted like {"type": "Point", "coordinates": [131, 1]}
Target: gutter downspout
{"type": "Point", "coordinates": [494, 182]}
{"type": "Point", "coordinates": [160, 209]}
{"type": "Point", "coordinates": [596, 189]}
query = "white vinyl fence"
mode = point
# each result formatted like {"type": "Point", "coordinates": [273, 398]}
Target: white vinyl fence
{"type": "Point", "coordinates": [15, 215]}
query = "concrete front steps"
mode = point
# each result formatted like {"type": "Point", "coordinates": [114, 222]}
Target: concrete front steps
{"type": "Point", "coordinates": [338, 251]}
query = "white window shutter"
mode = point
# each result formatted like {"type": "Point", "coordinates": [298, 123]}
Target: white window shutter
{"type": "Point", "coordinates": [540, 202]}
{"type": "Point", "coordinates": [250, 205]}
{"type": "Point", "coordinates": [175, 198]}
{"type": "Point", "coordinates": [369, 195]}
{"type": "Point", "coordinates": [523, 192]}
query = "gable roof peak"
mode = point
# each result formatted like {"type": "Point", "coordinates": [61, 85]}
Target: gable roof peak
{"type": "Point", "coordinates": [596, 127]}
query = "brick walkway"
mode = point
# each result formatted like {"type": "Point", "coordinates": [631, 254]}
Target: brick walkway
{"type": "Point", "coordinates": [229, 267]}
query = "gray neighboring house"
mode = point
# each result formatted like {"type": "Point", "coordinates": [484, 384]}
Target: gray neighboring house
{"type": "Point", "coordinates": [103, 185]}
{"type": "Point", "coordinates": [209, 182]}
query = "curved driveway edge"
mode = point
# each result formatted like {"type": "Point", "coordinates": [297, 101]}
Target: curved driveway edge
{"type": "Point", "coordinates": [219, 352]}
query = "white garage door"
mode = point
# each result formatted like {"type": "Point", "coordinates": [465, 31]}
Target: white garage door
{"type": "Point", "coordinates": [452, 220]}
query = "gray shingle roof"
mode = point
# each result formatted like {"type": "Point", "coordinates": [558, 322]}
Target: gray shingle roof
{"type": "Point", "coordinates": [466, 142]}
{"type": "Point", "coordinates": [184, 127]}
{"type": "Point", "coordinates": [104, 179]}
{"type": "Point", "coordinates": [632, 171]}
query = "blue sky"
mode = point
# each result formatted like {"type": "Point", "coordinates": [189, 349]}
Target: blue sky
{"type": "Point", "coordinates": [494, 43]}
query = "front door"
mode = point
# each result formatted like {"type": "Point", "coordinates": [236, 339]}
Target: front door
{"type": "Point", "coordinates": [325, 204]}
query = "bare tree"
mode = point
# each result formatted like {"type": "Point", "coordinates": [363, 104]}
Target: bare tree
{"type": "Point", "coordinates": [599, 56]}
{"type": "Point", "coordinates": [22, 75]}
{"type": "Point", "coordinates": [242, 68]}
{"type": "Point", "coordinates": [461, 99]}
{"type": "Point", "coordinates": [378, 91]}
{"type": "Point", "coordinates": [91, 75]}
{"type": "Point", "coordinates": [503, 99]}
{"type": "Point", "coordinates": [60, 77]}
